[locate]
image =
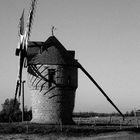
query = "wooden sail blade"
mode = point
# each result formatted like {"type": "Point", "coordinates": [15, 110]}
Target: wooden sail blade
{"type": "Point", "coordinates": [29, 27]}
{"type": "Point", "coordinates": [21, 25]}
{"type": "Point", "coordinates": [31, 16]}
{"type": "Point", "coordinates": [17, 88]}
{"type": "Point", "coordinates": [20, 34]}
{"type": "Point", "coordinates": [30, 20]}
{"type": "Point", "coordinates": [96, 84]}
{"type": "Point", "coordinates": [16, 92]}
{"type": "Point", "coordinates": [21, 62]}
{"type": "Point", "coordinates": [21, 51]}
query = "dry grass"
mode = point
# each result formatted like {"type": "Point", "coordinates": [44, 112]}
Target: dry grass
{"type": "Point", "coordinates": [85, 127]}
{"type": "Point", "coordinates": [128, 121]}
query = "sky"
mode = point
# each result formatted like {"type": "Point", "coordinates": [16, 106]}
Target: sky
{"type": "Point", "coordinates": [105, 35]}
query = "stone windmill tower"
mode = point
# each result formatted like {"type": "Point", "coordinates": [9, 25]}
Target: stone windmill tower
{"type": "Point", "coordinates": [52, 77]}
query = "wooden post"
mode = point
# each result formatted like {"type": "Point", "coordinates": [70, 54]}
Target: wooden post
{"type": "Point", "coordinates": [23, 101]}
{"type": "Point", "coordinates": [120, 124]}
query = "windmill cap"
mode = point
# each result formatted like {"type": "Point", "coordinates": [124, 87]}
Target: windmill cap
{"type": "Point", "coordinates": [50, 52]}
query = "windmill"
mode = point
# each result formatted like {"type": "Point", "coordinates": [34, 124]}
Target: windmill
{"type": "Point", "coordinates": [52, 74]}
{"type": "Point", "coordinates": [21, 51]}
{"type": "Point", "coordinates": [53, 80]}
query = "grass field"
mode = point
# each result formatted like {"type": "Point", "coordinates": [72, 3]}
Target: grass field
{"type": "Point", "coordinates": [86, 128]}
{"type": "Point", "coordinates": [114, 120]}
{"type": "Point", "coordinates": [107, 136]}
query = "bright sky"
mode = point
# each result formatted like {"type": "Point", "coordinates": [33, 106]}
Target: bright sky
{"type": "Point", "coordinates": [105, 35]}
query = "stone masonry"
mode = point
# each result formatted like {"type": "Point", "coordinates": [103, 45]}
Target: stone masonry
{"type": "Point", "coordinates": [53, 83]}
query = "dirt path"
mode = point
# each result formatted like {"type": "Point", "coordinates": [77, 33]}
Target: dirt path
{"type": "Point", "coordinates": [106, 136]}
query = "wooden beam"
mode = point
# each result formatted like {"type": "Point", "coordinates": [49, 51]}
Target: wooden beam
{"type": "Point", "coordinates": [96, 84]}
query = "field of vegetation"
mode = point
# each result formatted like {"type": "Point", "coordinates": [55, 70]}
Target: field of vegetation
{"type": "Point", "coordinates": [87, 125]}
{"type": "Point", "coordinates": [107, 136]}
{"type": "Point", "coordinates": [109, 121]}
{"type": "Point", "coordinates": [86, 128]}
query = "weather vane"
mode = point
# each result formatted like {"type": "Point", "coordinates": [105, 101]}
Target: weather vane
{"type": "Point", "coordinates": [53, 28]}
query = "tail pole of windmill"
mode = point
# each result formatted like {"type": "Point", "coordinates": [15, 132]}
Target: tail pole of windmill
{"type": "Point", "coordinates": [52, 76]}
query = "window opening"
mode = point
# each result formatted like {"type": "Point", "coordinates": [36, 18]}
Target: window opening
{"type": "Point", "coordinates": [51, 76]}
{"type": "Point", "coordinates": [69, 80]}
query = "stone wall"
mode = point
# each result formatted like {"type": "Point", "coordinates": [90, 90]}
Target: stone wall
{"type": "Point", "coordinates": [53, 102]}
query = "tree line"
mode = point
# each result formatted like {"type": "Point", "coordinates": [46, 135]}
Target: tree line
{"type": "Point", "coordinates": [11, 112]}
{"type": "Point", "coordinates": [95, 114]}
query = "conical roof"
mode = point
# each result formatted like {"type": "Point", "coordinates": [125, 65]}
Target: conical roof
{"type": "Point", "coordinates": [49, 52]}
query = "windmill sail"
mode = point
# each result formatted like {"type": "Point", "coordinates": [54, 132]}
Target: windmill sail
{"type": "Point", "coordinates": [29, 26]}
{"type": "Point", "coordinates": [16, 92]}
{"type": "Point", "coordinates": [30, 20]}
{"type": "Point", "coordinates": [22, 47]}
{"type": "Point", "coordinates": [20, 34]}
{"type": "Point", "coordinates": [20, 53]}
{"type": "Point", "coordinates": [21, 25]}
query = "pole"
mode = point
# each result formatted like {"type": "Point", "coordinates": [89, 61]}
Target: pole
{"type": "Point", "coordinates": [96, 84]}
{"type": "Point", "coordinates": [23, 101]}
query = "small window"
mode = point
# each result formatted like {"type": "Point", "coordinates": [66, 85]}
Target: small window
{"type": "Point", "coordinates": [51, 76]}
{"type": "Point", "coordinates": [69, 80]}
